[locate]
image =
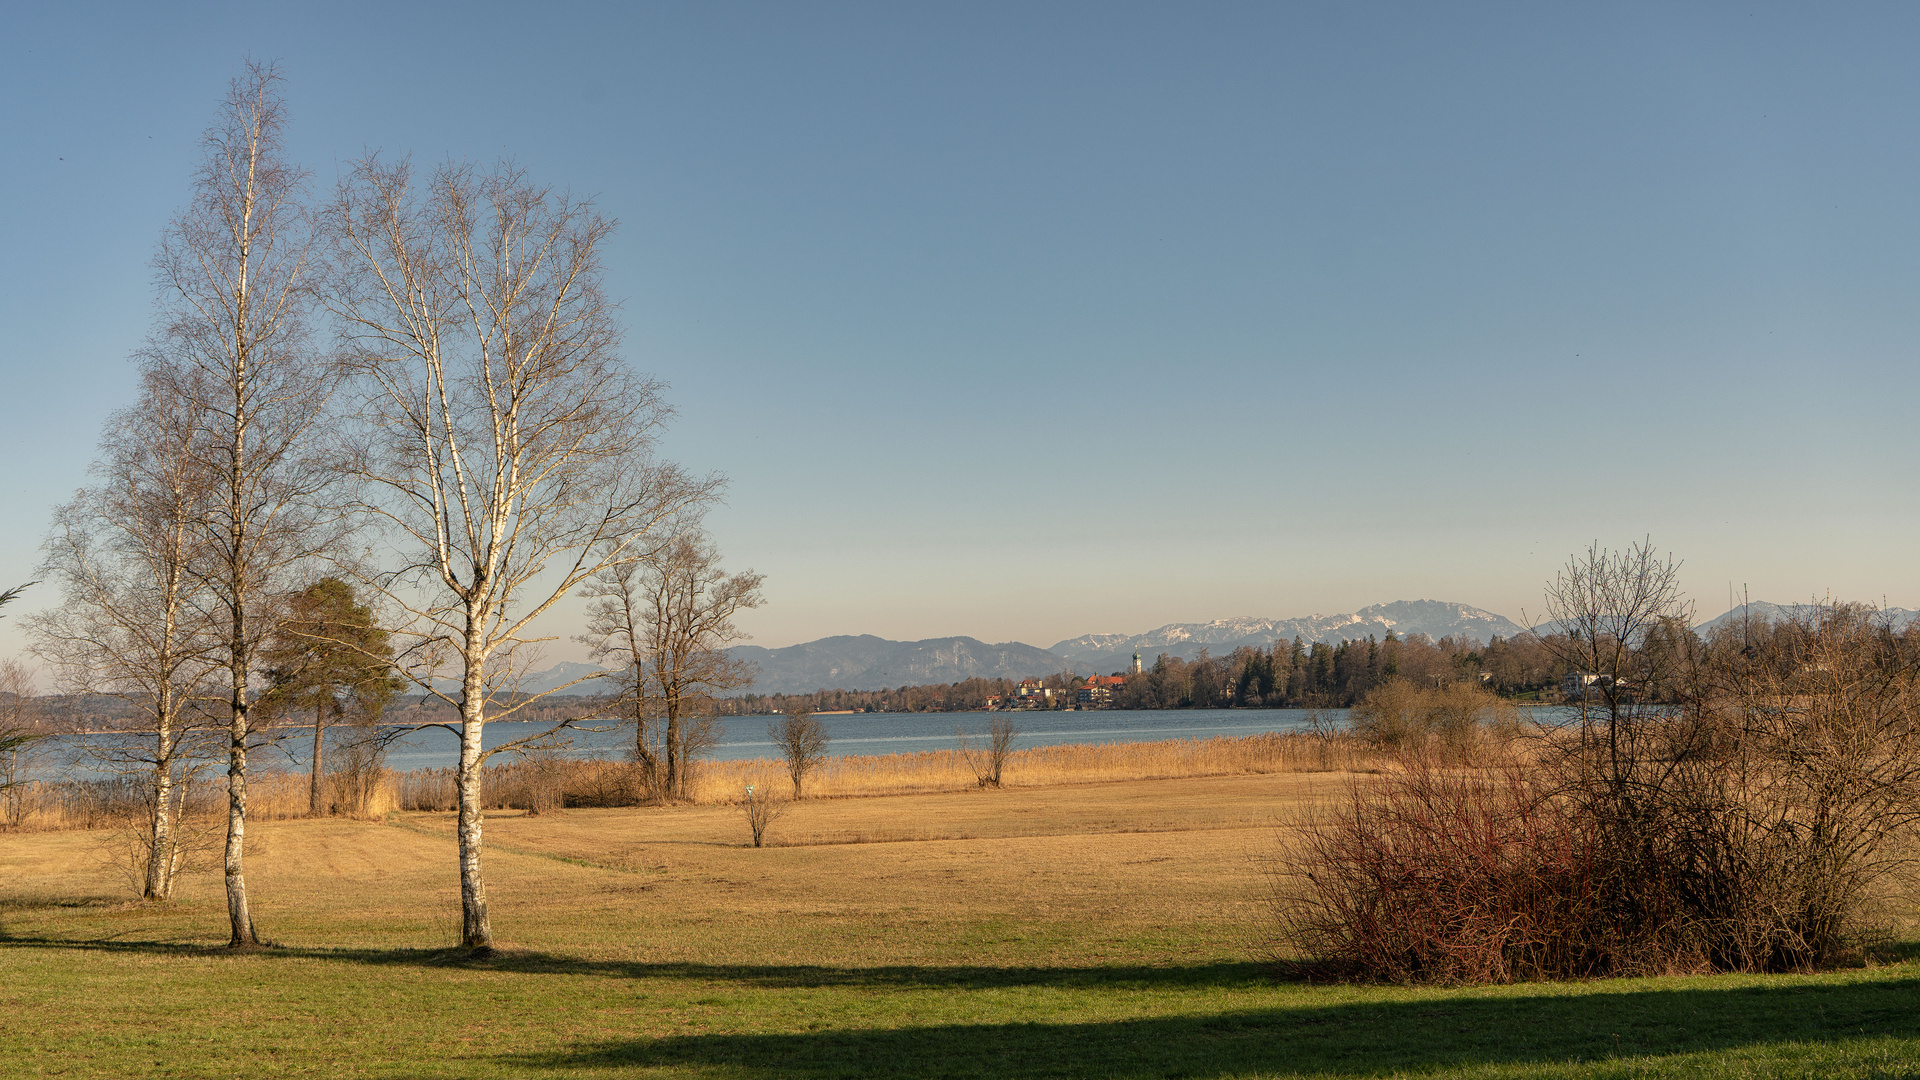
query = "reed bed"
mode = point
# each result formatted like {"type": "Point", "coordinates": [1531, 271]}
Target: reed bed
{"type": "Point", "coordinates": [1041, 766]}
{"type": "Point", "coordinates": [548, 783]}
{"type": "Point", "coordinates": [123, 802]}
{"type": "Point", "coordinates": [613, 783]}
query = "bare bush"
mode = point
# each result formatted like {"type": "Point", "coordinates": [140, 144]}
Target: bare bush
{"type": "Point", "coordinates": [1733, 808]}
{"type": "Point", "coordinates": [128, 847]}
{"type": "Point", "coordinates": [762, 809]}
{"type": "Point", "coordinates": [541, 769]}
{"type": "Point", "coordinates": [1458, 720]}
{"type": "Point", "coordinates": [359, 778]}
{"type": "Point", "coordinates": [1445, 875]}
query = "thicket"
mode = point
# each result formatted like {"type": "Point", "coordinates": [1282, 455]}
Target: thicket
{"type": "Point", "coordinates": [1748, 823]}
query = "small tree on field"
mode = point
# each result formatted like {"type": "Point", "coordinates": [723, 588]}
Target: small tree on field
{"type": "Point", "coordinates": [686, 623]}
{"type": "Point", "coordinates": [988, 762]}
{"type": "Point", "coordinates": [802, 741]}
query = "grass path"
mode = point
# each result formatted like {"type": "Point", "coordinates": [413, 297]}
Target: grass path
{"type": "Point", "coordinates": [1095, 930]}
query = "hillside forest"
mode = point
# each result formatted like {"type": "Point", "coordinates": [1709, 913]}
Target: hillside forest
{"type": "Point", "coordinates": [1285, 675]}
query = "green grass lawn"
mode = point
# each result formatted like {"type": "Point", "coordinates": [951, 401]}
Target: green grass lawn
{"type": "Point", "coordinates": [679, 952]}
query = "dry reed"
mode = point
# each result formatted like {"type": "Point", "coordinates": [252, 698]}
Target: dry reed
{"type": "Point", "coordinates": [549, 783]}
{"type": "Point", "coordinates": [123, 802]}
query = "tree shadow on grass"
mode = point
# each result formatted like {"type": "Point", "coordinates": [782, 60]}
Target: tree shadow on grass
{"type": "Point", "coordinates": [1347, 1039]}
{"type": "Point", "coordinates": [756, 976]}
{"type": "Point", "coordinates": [1441, 1030]}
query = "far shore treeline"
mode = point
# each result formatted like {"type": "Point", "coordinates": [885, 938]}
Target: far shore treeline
{"type": "Point", "coordinates": [1287, 675]}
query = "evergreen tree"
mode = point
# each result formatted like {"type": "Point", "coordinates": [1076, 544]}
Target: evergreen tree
{"type": "Point", "coordinates": [328, 656]}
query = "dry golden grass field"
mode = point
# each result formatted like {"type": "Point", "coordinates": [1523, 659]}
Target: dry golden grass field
{"type": "Point", "coordinates": [845, 881]}
{"type": "Point", "coordinates": [1094, 929]}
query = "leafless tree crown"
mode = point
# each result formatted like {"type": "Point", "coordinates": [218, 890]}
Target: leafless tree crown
{"type": "Point", "coordinates": [505, 451]}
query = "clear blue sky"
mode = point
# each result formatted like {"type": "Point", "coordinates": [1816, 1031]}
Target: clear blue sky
{"type": "Point", "coordinates": [1030, 320]}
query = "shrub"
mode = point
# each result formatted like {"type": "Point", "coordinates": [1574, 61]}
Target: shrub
{"type": "Point", "coordinates": [762, 810]}
{"type": "Point", "coordinates": [1461, 721]}
{"type": "Point", "coordinates": [1745, 826]}
{"type": "Point", "coordinates": [1444, 875]}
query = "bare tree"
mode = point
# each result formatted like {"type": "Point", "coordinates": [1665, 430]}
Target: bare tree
{"type": "Point", "coordinates": [235, 294]}
{"type": "Point", "coordinates": [664, 620]}
{"type": "Point", "coordinates": [802, 741]}
{"type": "Point", "coordinates": [1605, 608]}
{"type": "Point", "coordinates": [19, 726]}
{"type": "Point", "coordinates": [687, 623]}
{"type": "Point", "coordinates": [988, 762]}
{"type": "Point", "coordinates": [616, 635]}
{"type": "Point", "coordinates": [135, 620]}
{"type": "Point", "coordinates": [507, 452]}
{"type": "Point", "coordinates": [22, 732]}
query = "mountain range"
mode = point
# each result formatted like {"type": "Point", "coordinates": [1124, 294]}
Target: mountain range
{"type": "Point", "coordinates": [1760, 610]}
{"type": "Point", "coordinates": [1102, 653]}
{"type": "Point", "coordinates": [872, 663]}
{"type": "Point", "coordinates": [866, 662]}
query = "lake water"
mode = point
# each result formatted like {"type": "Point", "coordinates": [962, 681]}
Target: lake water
{"type": "Point", "coordinates": [746, 736]}
{"type": "Point", "coordinates": [896, 733]}
{"type": "Point", "coordinates": [856, 733]}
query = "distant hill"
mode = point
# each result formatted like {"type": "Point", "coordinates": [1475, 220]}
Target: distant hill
{"type": "Point", "coordinates": [1100, 653]}
{"type": "Point", "coordinates": [866, 662]}
{"type": "Point", "coordinates": [561, 674]}
{"type": "Point", "coordinates": [551, 679]}
{"type": "Point", "coordinates": [872, 663]}
{"type": "Point", "coordinates": [1762, 611]}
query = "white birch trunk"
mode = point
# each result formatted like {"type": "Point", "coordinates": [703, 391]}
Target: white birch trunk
{"type": "Point", "coordinates": [475, 933]}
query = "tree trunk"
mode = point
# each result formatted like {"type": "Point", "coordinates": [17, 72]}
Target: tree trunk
{"type": "Point", "coordinates": [475, 933]}
{"type": "Point", "coordinates": [238, 915]}
{"type": "Point", "coordinates": [159, 883]}
{"type": "Point", "coordinates": [316, 804]}
{"type": "Point", "coordinates": [674, 770]}
{"type": "Point", "coordinates": [642, 753]}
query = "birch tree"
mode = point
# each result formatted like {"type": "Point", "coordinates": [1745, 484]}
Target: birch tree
{"type": "Point", "coordinates": [235, 293]}
{"type": "Point", "coordinates": [507, 453]}
{"type": "Point", "coordinates": [135, 619]}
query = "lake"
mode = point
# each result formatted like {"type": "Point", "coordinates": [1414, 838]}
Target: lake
{"type": "Point", "coordinates": [895, 733]}
{"type": "Point", "coordinates": [855, 733]}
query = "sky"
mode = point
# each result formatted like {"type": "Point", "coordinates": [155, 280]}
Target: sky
{"type": "Point", "coordinates": [1029, 320]}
